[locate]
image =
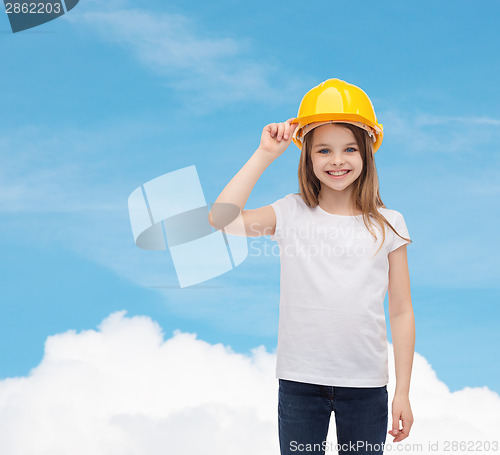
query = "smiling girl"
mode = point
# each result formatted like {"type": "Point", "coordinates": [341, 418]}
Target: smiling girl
{"type": "Point", "coordinates": [332, 341]}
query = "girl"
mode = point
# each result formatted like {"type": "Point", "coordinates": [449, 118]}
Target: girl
{"type": "Point", "coordinates": [341, 249]}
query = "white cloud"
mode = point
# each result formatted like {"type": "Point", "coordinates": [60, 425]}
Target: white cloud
{"type": "Point", "coordinates": [452, 141]}
{"type": "Point", "coordinates": [67, 170]}
{"type": "Point", "coordinates": [209, 70]}
{"type": "Point", "coordinates": [124, 389]}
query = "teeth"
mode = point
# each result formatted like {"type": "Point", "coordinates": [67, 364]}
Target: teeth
{"type": "Point", "coordinates": [338, 173]}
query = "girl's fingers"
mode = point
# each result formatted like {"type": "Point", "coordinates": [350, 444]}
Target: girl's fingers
{"type": "Point", "coordinates": [287, 131]}
{"type": "Point", "coordinates": [281, 129]}
{"type": "Point", "coordinates": [292, 126]}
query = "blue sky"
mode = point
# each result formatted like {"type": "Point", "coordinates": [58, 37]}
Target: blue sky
{"type": "Point", "coordinates": [108, 97]}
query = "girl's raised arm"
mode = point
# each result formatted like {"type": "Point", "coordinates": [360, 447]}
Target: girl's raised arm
{"type": "Point", "coordinates": [228, 211]}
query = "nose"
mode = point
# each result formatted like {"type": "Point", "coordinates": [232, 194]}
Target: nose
{"type": "Point", "coordinates": [337, 159]}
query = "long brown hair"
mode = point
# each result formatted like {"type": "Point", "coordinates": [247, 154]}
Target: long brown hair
{"type": "Point", "coordinates": [365, 197]}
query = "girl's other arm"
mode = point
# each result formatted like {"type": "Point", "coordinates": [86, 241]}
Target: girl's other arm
{"type": "Point", "coordinates": [230, 204]}
{"type": "Point", "coordinates": [403, 339]}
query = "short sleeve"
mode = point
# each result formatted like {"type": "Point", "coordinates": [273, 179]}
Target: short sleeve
{"type": "Point", "coordinates": [284, 209]}
{"type": "Point", "coordinates": [400, 226]}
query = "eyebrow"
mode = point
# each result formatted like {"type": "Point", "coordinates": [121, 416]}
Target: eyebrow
{"type": "Point", "coordinates": [328, 145]}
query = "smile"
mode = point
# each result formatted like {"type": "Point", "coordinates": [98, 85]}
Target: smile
{"type": "Point", "coordinates": [337, 175]}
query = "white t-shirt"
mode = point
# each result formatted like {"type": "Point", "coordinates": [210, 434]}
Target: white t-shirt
{"type": "Point", "coordinates": [332, 328]}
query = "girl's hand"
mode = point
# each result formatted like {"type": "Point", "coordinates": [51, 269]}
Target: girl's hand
{"type": "Point", "coordinates": [401, 410]}
{"type": "Point", "coordinates": [276, 137]}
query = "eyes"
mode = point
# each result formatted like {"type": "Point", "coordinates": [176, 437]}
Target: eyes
{"type": "Point", "coordinates": [327, 150]}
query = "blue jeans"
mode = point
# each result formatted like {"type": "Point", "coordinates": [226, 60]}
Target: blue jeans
{"type": "Point", "coordinates": [304, 410]}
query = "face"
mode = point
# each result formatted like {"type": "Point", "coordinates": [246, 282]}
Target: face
{"type": "Point", "coordinates": [335, 149]}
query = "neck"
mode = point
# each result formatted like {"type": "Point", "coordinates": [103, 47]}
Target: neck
{"type": "Point", "coordinates": [339, 202]}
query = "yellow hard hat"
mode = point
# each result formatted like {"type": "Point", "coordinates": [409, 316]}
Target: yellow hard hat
{"type": "Point", "coordinates": [334, 101]}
